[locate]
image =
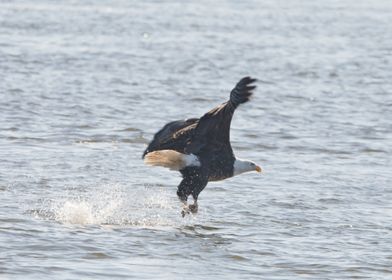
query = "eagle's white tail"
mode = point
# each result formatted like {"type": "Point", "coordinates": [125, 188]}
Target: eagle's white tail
{"type": "Point", "coordinates": [171, 159]}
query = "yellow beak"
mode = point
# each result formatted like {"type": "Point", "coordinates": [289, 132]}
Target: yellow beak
{"type": "Point", "coordinates": [258, 169]}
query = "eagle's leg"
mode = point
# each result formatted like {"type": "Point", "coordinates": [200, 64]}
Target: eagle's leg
{"type": "Point", "coordinates": [195, 194]}
{"type": "Point", "coordinates": [187, 208]}
{"type": "Point", "coordinates": [193, 182]}
{"type": "Point", "coordinates": [182, 196]}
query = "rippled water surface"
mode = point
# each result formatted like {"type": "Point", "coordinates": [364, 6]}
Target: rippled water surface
{"type": "Point", "coordinates": [85, 84]}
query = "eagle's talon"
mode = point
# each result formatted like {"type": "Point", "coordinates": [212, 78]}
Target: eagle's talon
{"type": "Point", "coordinates": [185, 210]}
{"type": "Point", "coordinates": [193, 208]}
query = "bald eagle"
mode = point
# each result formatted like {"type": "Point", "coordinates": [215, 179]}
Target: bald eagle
{"type": "Point", "coordinates": [200, 147]}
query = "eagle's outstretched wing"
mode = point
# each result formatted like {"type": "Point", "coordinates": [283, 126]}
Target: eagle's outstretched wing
{"type": "Point", "coordinates": [173, 136]}
{"type": "Point", "coordinates": [191, 135]}
{"type": "Point", "coordinates": [214, 126]}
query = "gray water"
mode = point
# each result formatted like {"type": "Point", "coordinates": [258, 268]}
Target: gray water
{"type": "Point", "coordinates": [84, 85]}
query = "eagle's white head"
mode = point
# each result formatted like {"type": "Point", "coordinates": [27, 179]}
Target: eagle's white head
{"type": "Point", "coordinates": [241, 166]}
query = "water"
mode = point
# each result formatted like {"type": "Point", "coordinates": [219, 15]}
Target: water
{"type": "Point", "coordinates": [85, 85]}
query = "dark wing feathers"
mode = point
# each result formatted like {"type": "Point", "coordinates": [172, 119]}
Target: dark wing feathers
{"type": "Point", "coordinates": [214, 126]}
{"type": "Point", "coordinates": [192, 135]}
{"type": "Point", "coordinates": [242, 91]}
{"type": "Point", "coordinates": [168, 136]}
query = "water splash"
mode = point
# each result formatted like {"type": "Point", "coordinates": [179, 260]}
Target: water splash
{"type": "Point", "coordinates": [144, 206]}
{"type": "Point", "coordinates": [75, 212]}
